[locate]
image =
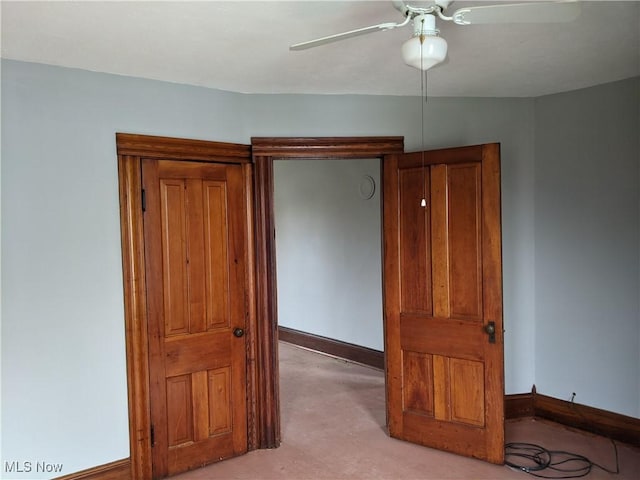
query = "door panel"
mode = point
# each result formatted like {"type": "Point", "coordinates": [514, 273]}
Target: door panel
{"type": "Point", "coordinates": [414, 242]}
{"type": "Point", "coordinates": [220, 413]}
{"type": "Point", "coordinates": [442, 264]}
{"type": "Point", "coordinates": [467, 391]}
{"type": "Point", "coordinates": [179, 410]}
{"type": "Point", "coordinates": [418, 394]}
{"type": "Point", "coordinates": [195, 256]}
{"type": "Point", "coordinates": [462, 232]}
{"type": "Point", "coordinates": [215, 261]}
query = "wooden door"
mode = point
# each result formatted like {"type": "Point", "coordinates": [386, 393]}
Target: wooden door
{"type": "Point", "coordinates": [195, 229]}
{"type": "Point", "coordinates": [442, 293]}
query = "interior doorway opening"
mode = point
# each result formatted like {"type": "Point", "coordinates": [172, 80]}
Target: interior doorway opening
{"type": "Point", "coordinates": [329, 249]}
{"type": "Point", "coordinates": [329, 278]}
{"type": "Point", "coordinates": [265, 151]}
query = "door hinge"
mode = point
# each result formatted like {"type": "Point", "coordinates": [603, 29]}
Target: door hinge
{"type": "Point", "coordinates": [143, 198]}
{"type": "Point", "coordinates": [153, 436]}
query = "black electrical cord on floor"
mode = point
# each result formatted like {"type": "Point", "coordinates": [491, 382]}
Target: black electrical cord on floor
{"type": "Point", "coordinates": [535, 459]}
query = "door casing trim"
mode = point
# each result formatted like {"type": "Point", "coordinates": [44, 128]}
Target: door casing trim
{"type": "Point", "coordinates": [131, 149]}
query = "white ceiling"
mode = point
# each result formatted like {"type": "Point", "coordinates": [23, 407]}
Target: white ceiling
{"type": "Point", "coordinates": [242, 46]}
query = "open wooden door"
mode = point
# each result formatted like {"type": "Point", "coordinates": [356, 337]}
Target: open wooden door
{"type": "Point", "coordinates": [195, 229]}
{"type": "Point", "coordinates": [443, 300]}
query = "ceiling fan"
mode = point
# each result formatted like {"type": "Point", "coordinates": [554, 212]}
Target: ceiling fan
{"type": "Point", "coordinates": [426, 49]}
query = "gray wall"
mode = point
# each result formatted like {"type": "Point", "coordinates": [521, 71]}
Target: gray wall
{"type": "Point", "coordinates": [64, 396]}
{"type": "Point", "coordinates": [328, 249]}
{"type": "Point", "coordinates": [63, 360]}
{"type": "Point", "coordinates": [587, 246]}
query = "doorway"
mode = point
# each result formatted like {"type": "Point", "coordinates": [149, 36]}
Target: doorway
{"type": "Point", "coordinates": [329, 249]}
{"type": "Point", "coordinates": [329, 268]}
{"type": "Point", "coordinates": [208, 176]}
{"type": "Point", "coordinates": [265, 151]}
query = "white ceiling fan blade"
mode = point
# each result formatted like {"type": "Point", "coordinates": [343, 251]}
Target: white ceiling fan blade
{"type": "Point", "coordinates": [341, 36]}
{"type": "Point", "coordinates": [539, 12]}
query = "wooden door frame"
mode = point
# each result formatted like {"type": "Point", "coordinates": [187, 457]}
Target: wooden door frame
{"type": "Point", "coordinates": [263, 408]}
{"type": "Point", "coordinates": [131, 149]}
{"type": "Point", "coordinates": [264, 151]}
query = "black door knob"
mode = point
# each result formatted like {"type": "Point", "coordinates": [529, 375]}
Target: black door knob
{"type": "Point", "coordinates": [238, 332]}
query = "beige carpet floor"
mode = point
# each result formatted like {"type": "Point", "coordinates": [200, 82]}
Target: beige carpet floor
{"type": "Point", "coordinates": [333, 427]}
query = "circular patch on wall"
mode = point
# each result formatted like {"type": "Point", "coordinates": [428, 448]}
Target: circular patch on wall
{"type": "Point", "coordinates": [367, 187]}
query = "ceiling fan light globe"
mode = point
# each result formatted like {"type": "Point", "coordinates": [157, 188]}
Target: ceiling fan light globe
{"type": "Point", "coordinates": [433, 51]}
